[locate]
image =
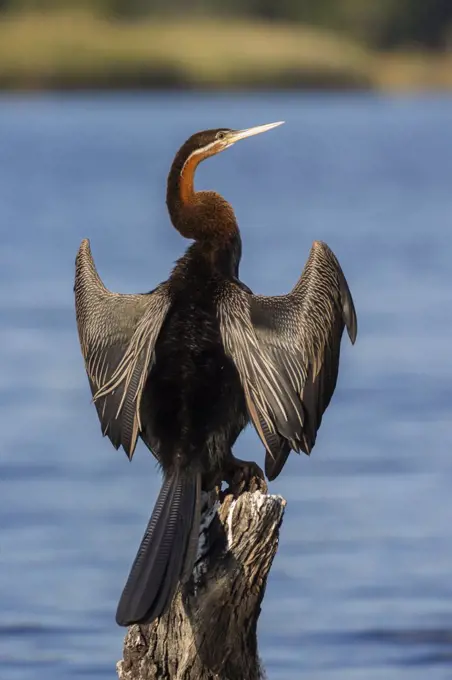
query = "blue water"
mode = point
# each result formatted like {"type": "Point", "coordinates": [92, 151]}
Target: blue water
{"type": "Point", "coordinates": [361, 586]}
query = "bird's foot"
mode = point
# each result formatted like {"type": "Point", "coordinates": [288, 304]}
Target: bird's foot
{"type": "Point", "coordinates": [243, 475]}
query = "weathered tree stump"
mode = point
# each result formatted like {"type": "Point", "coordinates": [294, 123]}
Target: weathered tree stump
{"type": "Point", "coordinates": [209, 632]}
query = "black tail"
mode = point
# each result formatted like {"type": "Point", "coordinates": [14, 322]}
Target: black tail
{"type": "Point", "coordinates": [167, 551]}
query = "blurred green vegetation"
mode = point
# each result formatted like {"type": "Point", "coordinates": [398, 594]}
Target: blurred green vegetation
{"type": "Point", "coordinates": [382, 24]}
{"type": "Point", "coordinates": [380, 44]}
{"type": "Point", "coordinates": [74, 51]}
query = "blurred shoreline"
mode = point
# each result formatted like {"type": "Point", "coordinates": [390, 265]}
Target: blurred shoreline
{"type": "Point", "coordinates": [78, 51]}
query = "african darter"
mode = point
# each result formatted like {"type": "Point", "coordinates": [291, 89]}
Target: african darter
{"type": "Point", "coordinates": [188, 365]}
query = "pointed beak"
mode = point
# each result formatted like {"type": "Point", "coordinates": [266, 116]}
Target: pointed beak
{"type": "Point", "coordinates": [237, 135]}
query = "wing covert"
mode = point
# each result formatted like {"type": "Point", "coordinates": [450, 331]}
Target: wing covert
{"type": "Point", "coordinates": [117, 336]}
{"type": "Point", "coordinates": [286, 350]}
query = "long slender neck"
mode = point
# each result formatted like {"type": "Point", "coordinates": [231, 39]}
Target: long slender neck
{"type": "Point", "coordinates": [201, 215]}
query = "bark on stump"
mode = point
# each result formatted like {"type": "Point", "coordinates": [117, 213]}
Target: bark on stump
{"type": "Point", "coordinates": [209, 632]}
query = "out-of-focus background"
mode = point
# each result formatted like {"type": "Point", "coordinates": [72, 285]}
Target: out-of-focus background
{"type": "Point", "coordinates": [360, 588]}
{"type": "Point", "coordinates": [389, 44]}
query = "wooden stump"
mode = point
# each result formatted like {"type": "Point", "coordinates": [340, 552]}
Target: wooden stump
{"type": "Point", "coordinates": [209, 632]}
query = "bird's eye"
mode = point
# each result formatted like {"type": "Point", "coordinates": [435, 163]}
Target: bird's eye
{"type": "Point", "coordinates": [221, 134]}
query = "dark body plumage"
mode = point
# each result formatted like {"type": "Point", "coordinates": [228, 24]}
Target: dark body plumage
{"type": "Point", "coordinates": [186, 366]}
{"type": "Point", "coordinates": [193, 401]}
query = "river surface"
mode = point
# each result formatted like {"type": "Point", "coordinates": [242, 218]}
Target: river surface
{"type": "Point", "coordinates": [361, 587]}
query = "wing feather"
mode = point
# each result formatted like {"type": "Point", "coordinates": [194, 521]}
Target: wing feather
{"type": "Point", "coordinates": [117, 336]}
{"type": "Point", "coordinates": [286, 350]}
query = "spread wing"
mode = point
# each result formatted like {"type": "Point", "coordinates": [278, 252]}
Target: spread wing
{"type": "Point", "coordinates": [286, 350]}
{"type": "Point", "coordinates": [117, 335]}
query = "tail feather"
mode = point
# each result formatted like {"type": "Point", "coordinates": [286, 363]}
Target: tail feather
{"type": "Point", "coordinates": [166, 553]}
{"type": "Point", "coordinates": [193, 539]}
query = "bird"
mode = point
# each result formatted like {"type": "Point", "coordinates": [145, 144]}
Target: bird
{"type": "Point", "coordinates": [186, 366]}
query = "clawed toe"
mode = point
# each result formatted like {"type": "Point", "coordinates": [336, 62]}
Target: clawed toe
{"type": "Point", "coordinates": [244, 475]}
